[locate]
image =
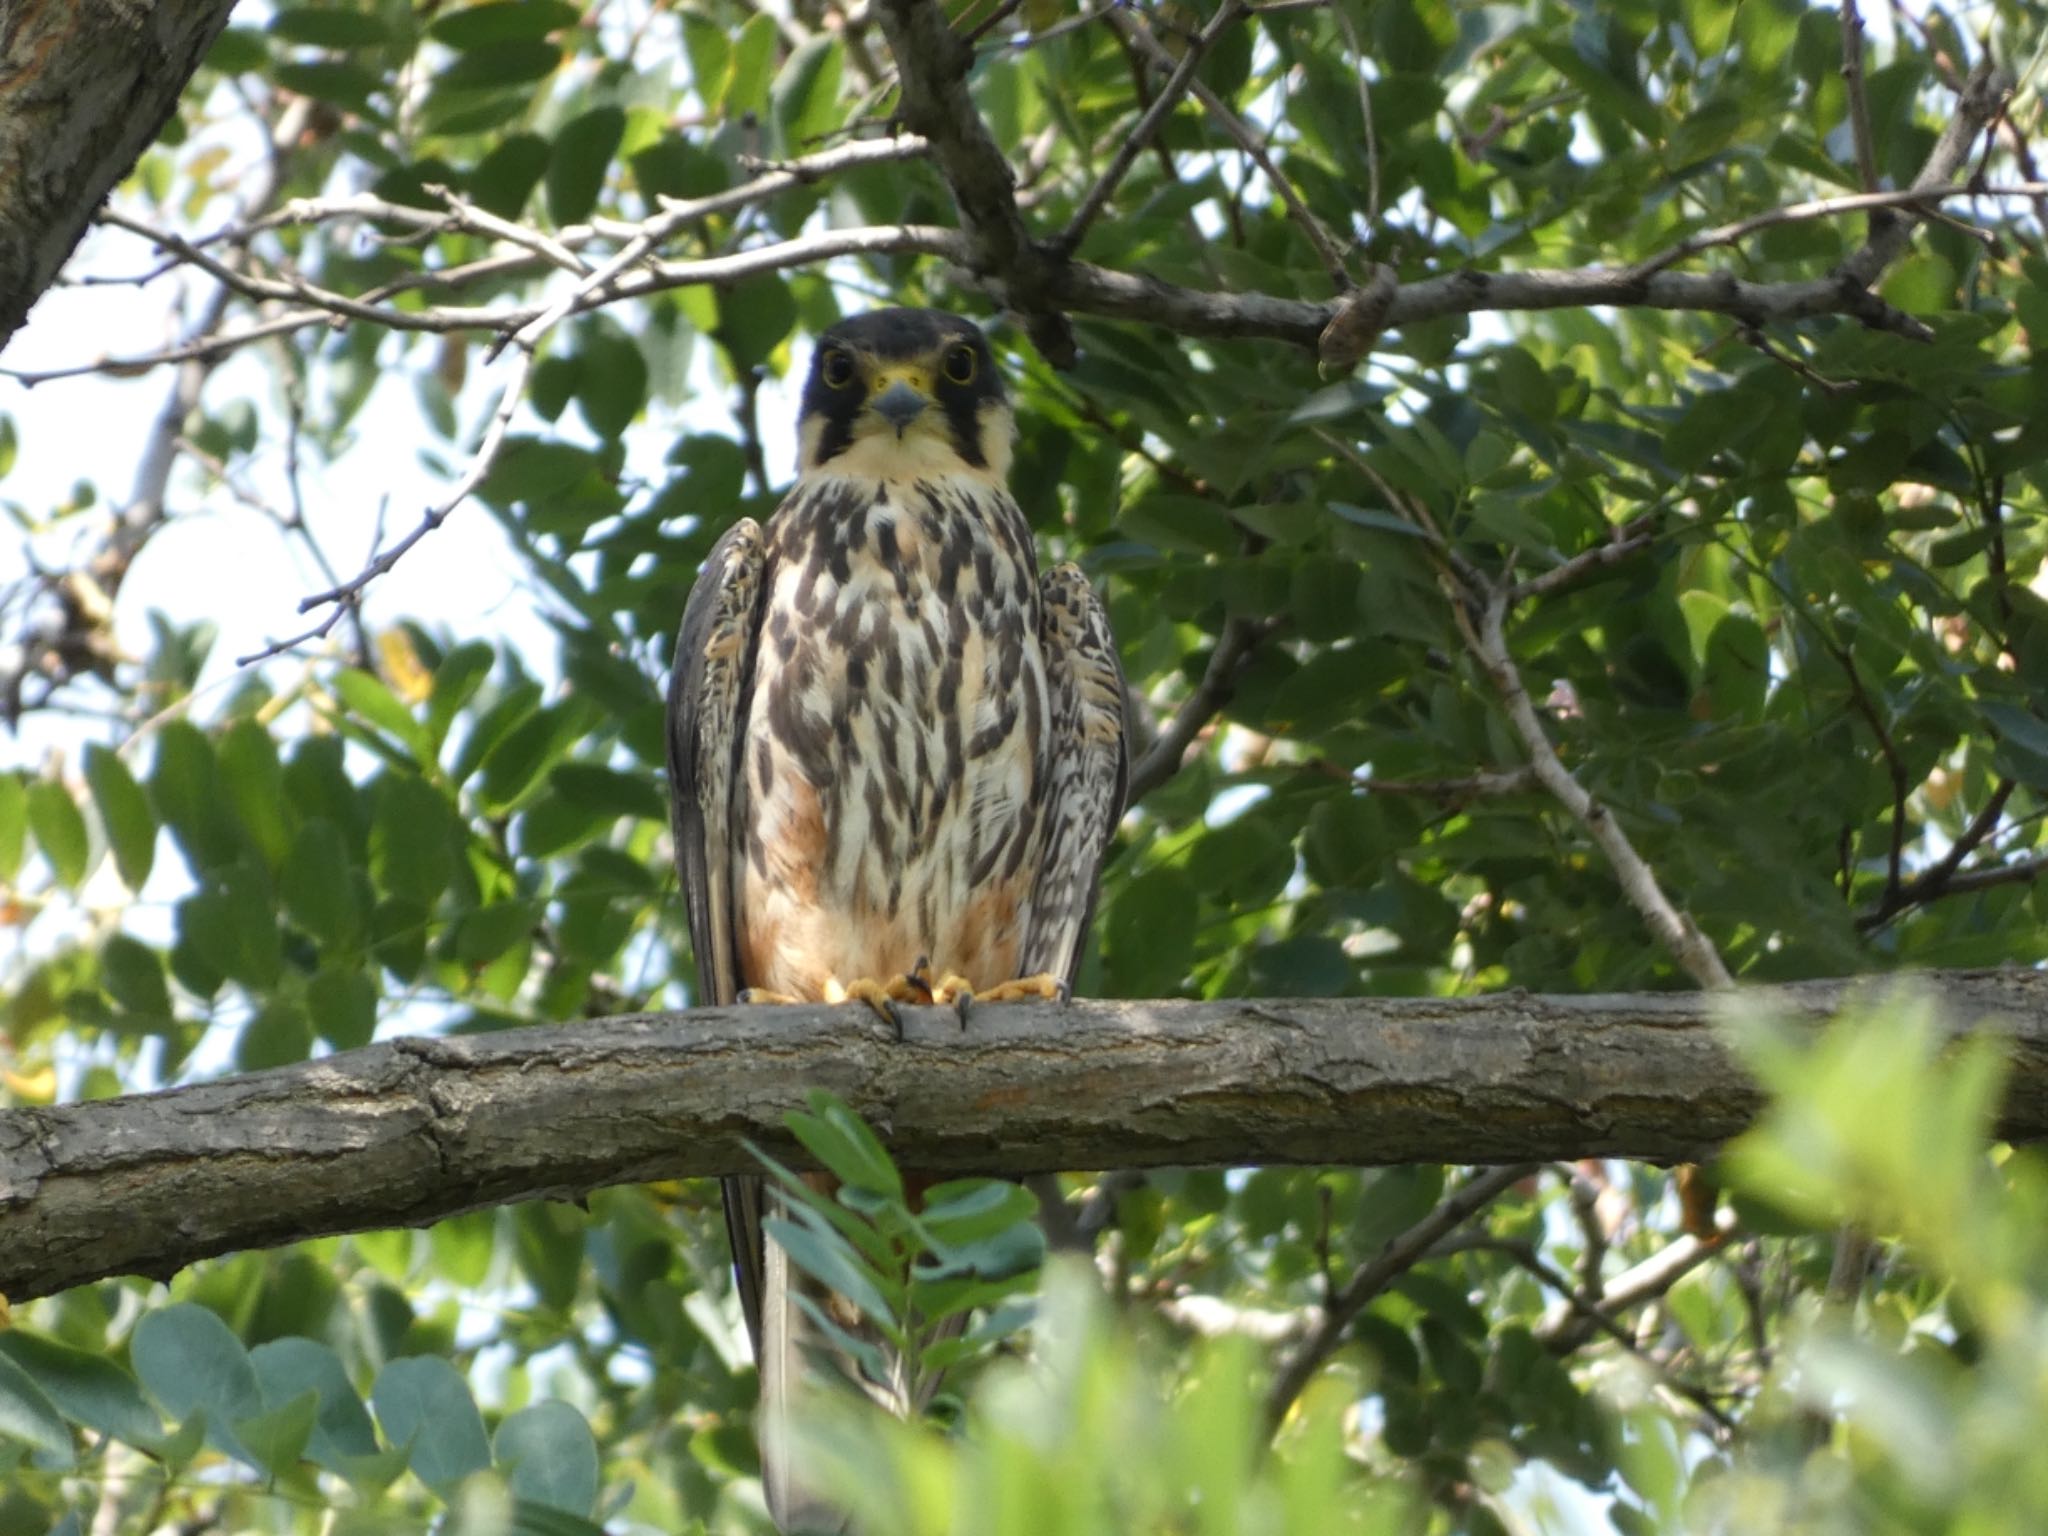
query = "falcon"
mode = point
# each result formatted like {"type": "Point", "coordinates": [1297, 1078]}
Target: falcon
{"type": "Point", "coordinates": [897, 749]}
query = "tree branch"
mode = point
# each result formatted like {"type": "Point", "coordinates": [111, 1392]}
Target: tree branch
{"type": "Point", "coordinates": [1674, 930]}
{"type": "Point", "coordinates": [932, 63]}
{"type": "Point", "coordinates": [1161, 760]}
{"type": "Point", "coordinates": [1401, 1254]}
{"type": "Point", "coordinates": [412, 1131]}
{"type": "Point", "coordinates": [84, 87]}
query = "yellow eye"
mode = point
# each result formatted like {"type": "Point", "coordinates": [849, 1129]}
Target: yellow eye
{"type": "Point", "coordinates": [836, 369]}
{"type": "Point", "coordinates": [960, 364]}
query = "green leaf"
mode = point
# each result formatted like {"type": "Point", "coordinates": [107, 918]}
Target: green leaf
{"type": "Point", "coordinates": [461, 672]}
{"type": "Point", "coordinates": [60, 830]}
{"type": "Point", "coordinates": [288, 1368]}
{"type": "Point", "coordinates": [1150, 934]}
{"type": "Point", "coordinates": [187, 799]}
{"type": "Point", "coordinates": [533, 1519]}
{"type": "Point", "coordinates": [410, 849]}
{"type": "Point", "coordinates": [805, 95]}
{"type": "Point", "coordinates": [277, 1439]}
{"type": "Point", "coordinates": [279, 1035]}
{"type": "Point", "coordinates": [28, 1415]}
{"type": "Point", "coordinates": [425, 1406]}
{"type": "Point", "coordinates": [830, 1261]}
{"type": "Point", "coordinates": [13, 824]}
{"type": "Point", "coordinates": [486, 932]}
{"type": "Point", "coordinates": [608, 789]}
{"type": "Point", "coordinates": [745, 87]}
{"type": "Point", "coordinates": [86, 1388]}
{"type": "Point", "coordinates": [842, 1142]}
{"type": "Point", "coordinates": [529, 750]}
{"type": "Point", "coordinates": [254, 782]}
{"type": "Point", "coordinates": [133, 975]}
{"type": "Point", "coordinates": [583, 150]}
{"type": "Point", "coordinates": [342, 1006]}
{"type": "Point", "coordinates": [328, 27]}
{"type": "Point", "coordinates": [233, 927]}
{"type": "Point", "coordinates": [368, 699]}
{"type": "Point", "coordinates": [549, 1455]}
{"type": "Point", "coordinates": [502, 21]}
{"type": "Point", "coordinates": [319, 885]}
{"type": "Point", "coordinates": [504, 179]}
{"type": "Point", "coordinates": [490, 65]}
{"type": "Point", "coordinates": [124, 813]}
{"type": "Point", "coordinates": [189, 1360]}
{"type": "Point", "coordinates": [754, 315]}
{"type": "Point", "coordinates": [613, 376]}
{"type": "Point", "coordinates": [344, 85]}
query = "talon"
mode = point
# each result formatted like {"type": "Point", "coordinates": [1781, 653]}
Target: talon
{"type": "Point", "coordinates": [955, 991]}
{"type": "Point", "coordinates": [919, 979]}
{"type": "Point", "coordinates": [879, 997]}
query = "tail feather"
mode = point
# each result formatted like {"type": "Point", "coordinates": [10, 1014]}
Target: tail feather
{"type": "Point", "coordinates": [796, 1363]}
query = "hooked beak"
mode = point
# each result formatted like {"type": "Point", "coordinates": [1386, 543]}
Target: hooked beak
{"type": "Point", "coordinates": [899, 405]}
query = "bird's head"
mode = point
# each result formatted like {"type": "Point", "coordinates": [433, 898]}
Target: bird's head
{"type": "Point", "coordinates": [905, 393]}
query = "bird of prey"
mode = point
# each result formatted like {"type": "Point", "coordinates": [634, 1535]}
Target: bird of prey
{"type": "Point", "coordinates": [897, 749]}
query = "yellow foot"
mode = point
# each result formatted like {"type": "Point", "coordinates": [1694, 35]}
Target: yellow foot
{"type": "Point", "coordinates": [881, 996]}
{"type": "Point", "coordinates": [1044, 987]}
{"type": "Point", "coordinates": [951, 990]}
{"type": "Point", "coordinates": [959, 992]}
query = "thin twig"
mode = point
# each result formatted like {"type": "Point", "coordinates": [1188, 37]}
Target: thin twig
{"type": "Point", "coordinates": [1895, 767]}
{"type": "Point", "coordinates": [1859, 107]}
{"type": "Point", "coordinates": [1162, 759]}
{"type": "Point", "coordinates": [1691, 948]}
{"type": "Point", "coordinates": [1472, 786]}
{"type": "Point", "coordinates": [346, 594]}
{"type": "Point", "coordinates": [1134, 30]}
{"type": "Point", "coordinates": [1401, 1254]}
{"type": "Point", "coordinates": [1830, 207]}
{"type": "Point", "coordinates": [1069, 239]}
{"type": "Point", "coordinates": [1524, 1253]}
{"type": "Point", "coordinates": [676, 216]}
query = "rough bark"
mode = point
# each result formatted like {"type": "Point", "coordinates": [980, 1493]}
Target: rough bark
{"type": "Point", "coordinates": [85, 85]}
{"type": "Point", "coordinates": [411, 1131]}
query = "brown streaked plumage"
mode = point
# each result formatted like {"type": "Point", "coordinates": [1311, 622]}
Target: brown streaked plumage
{"type": "Point", "coordinates": [892, 740]}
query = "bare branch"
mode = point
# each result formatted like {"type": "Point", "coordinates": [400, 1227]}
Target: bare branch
{"type": "Point", "coordinates": [1401, 1254]}
{"type": "Point", "coordinates": [1162, 759]}
{"type": "Point", "coordinates": [1626, 539]}
{"type": "Point", "coordinates": [932, 63]}
{"type": "Point", "coordinates": [1677, 932]}
{"type": "Point", "coordinates": [349, 593]}
{"type": "Point", "coordinates": [1133, 29]}
{"type": "Point", "coordinates": [1472, 786]}
{"type": "Point", "coordinates": [1525, 1254]}
{"type": "Point", "coordinates": [1939, 878]}
{"type": "Point", "coordinates": [677, 216]}
{"type": "Point", "coordinates": [1831, 207]}
{"type": "Point", "coordinates": [1565, 1326]}
{"type": "Point", "coordinates": [1859, 106]}
{"type": "Point", "coordinates": [412, 1131]}
{"type": "Point", "coordinates": [1069, 239]}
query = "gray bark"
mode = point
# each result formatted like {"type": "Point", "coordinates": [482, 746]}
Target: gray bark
{"type": "Point", "coordinates": [412, 1131]}
{"type": "Point", "coordinates": [85, 85]}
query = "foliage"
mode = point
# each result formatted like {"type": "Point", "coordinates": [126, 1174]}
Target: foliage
{"type": "Point", "coordinates": [1812, 669]}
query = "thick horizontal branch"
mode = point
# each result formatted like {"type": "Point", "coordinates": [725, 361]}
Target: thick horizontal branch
{"type": "Point", "coordinates": [411, 1131]}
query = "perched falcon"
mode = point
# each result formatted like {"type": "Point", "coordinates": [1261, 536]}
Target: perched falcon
{"type": "Point", "coordinates": [896, 749]}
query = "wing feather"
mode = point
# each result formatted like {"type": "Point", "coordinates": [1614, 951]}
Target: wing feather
{"type": "Point", "coordinates": [708, 684]}
{"type": "Point", "coordinates": [1088, 751]}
